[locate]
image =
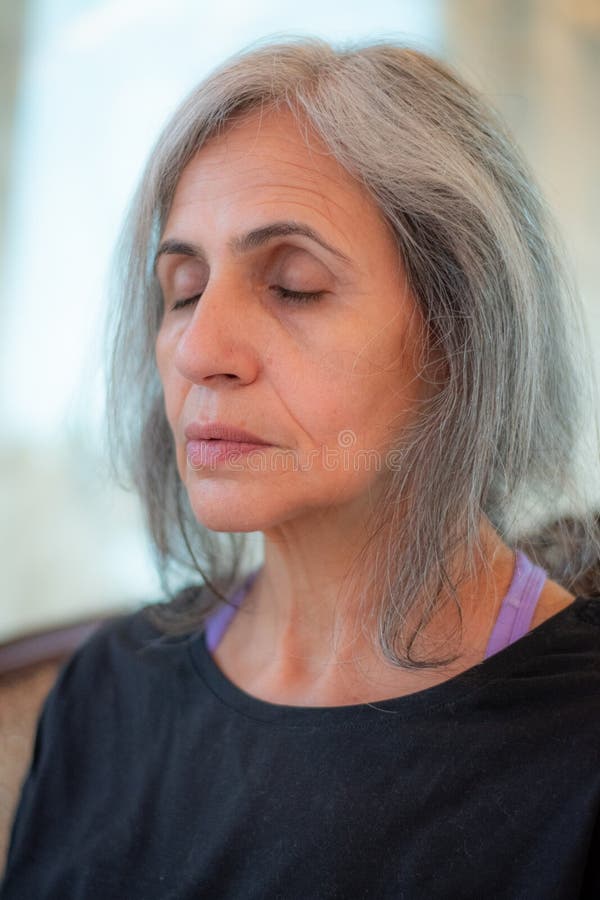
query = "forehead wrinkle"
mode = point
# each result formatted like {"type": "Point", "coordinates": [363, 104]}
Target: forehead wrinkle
{"type": "Point", "coordinates": [302, 177]}
{"type": "Point", "coordinates": [323, 208]}
{"type": "Point", "coordinates": [321, 161]}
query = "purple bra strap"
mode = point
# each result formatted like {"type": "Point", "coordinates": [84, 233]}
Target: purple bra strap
{"type": "Point", "coordinates": [518, 606]}
{"type": "Point", "coordinates": [219, 620]}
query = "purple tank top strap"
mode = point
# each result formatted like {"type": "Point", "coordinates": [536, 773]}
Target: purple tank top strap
{"type": "Point", "coordinates": [518, 606]}
{"type": "Point", "coordinates": [218, 621]}
{"type": "Point", "coordinates": [514, 618]}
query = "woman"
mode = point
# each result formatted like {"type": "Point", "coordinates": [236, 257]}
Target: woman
{"type": "Point", "coordinates": [343, 324]}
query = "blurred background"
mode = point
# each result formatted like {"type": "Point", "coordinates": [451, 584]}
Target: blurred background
{"type": "Point", "coordinates": [85, 86]}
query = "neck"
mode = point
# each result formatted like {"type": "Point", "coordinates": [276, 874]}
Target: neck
{"type": "Point", "coordinates": [297, 627]}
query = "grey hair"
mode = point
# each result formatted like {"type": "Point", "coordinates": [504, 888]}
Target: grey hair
{"type": "Point", "coordinates": [484, 260]}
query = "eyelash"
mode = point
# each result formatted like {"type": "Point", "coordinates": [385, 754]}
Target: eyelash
{"type": "Point", "coordinates": [293, 297]}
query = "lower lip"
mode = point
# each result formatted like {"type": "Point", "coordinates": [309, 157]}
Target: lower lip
{"type": "Point", "coordinates": [206, 453]}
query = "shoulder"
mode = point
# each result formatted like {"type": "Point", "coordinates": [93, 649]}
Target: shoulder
{"type": "Point", "coordinates": [116, 643]}
{"type": "Point", "coordinates": [552, 600]}
{"type": "Point", "coordinates": [122, 660]}
{"type": "Point", "coordinates": [124, 674]}
{"type": "Point", "coordinates": [88, 677]}
{"type": "Point", "coordinates": [113, 698]}
{"type": "Point", "coordinates": [567, 642]}
{"type": "Point", "coordinates": [130, 640]}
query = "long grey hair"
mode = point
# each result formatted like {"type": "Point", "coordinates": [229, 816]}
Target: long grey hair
{"type": "Point", "coordinates": [485, 262]}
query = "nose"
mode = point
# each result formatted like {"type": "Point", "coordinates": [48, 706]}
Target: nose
{"type": "Point", "coordinates": [217, 345]}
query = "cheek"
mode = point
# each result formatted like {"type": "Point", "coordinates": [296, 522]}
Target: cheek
{"type": "Point", "coordinates": [336, 395]}
{"type": "Point", "coordinates": [361, 390]}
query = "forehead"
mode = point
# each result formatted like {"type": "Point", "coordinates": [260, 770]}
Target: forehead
{"type": "Point", "coordinates": [266, 144]}
{"type": "Point", "coordinates": [266, 160]}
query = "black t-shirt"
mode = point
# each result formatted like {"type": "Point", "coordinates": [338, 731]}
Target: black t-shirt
{"type": "Point", "coordinates": [154, 776]}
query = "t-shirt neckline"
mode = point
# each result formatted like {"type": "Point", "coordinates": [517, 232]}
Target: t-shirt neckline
{"type": "Point", "coordinates": [448, 692]}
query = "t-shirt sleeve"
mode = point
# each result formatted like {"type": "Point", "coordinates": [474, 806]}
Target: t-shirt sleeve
{"type": "Point", "coordinates": [67, 747]}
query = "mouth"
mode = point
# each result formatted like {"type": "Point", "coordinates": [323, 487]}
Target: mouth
{"type": "Point", "coordinates": [218, 431]}
{"type": "Point", "coordinates": [211, 451]}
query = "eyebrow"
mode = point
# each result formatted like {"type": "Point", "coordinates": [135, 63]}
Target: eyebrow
{"type": "Point", "coordinates": [250, 241]}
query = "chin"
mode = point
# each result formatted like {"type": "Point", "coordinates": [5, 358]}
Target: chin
{"type": "Point", "coordinates": [228, 505]}
{"type": "Point", "coordinates": [224, 520]}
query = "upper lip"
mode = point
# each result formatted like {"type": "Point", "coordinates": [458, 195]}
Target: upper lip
{"type": "Point", "coordinates": [220, 431]}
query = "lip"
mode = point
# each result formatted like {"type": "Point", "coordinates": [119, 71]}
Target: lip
{"type": "Point", "coordinates": [202, 454]}
{"type": "Point", "coordinates": [219, 431]}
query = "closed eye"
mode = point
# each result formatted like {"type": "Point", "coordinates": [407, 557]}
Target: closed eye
{"type": "Point", "coordinates": [297, 297]}
{"type": "Point", "coordinates": [289, 296]}
{"type": "Point", "coordinates": [179, 304]}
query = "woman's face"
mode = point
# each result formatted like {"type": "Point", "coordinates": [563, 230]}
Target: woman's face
{"type": "Point", "coordinates": [299, 328]}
